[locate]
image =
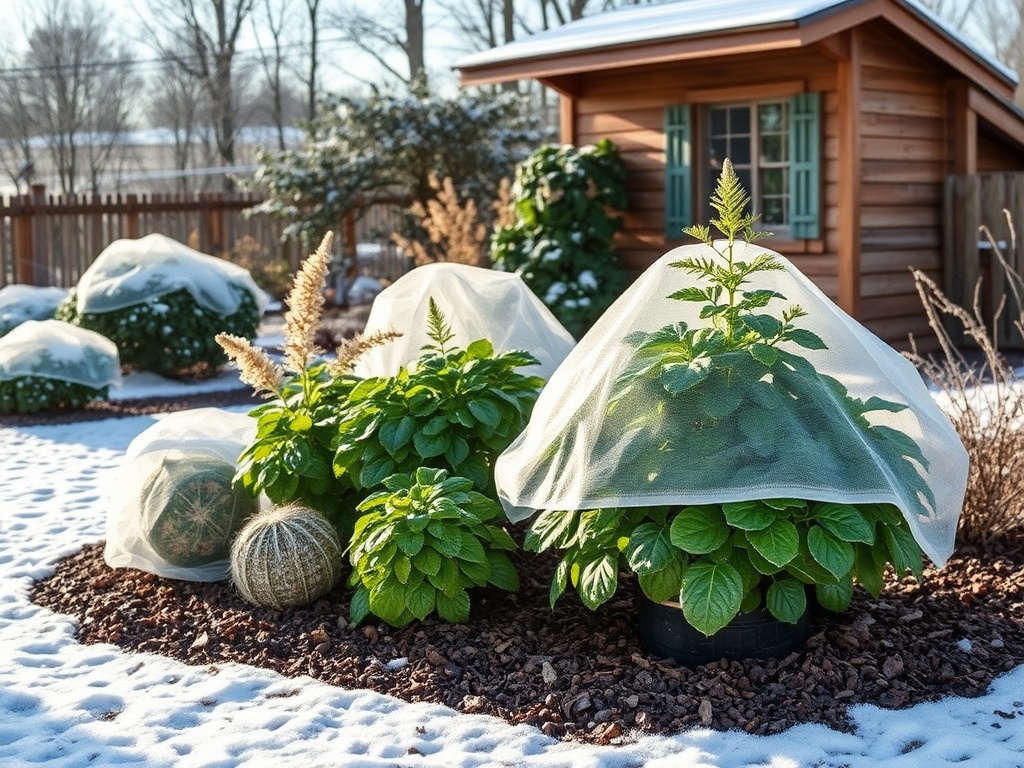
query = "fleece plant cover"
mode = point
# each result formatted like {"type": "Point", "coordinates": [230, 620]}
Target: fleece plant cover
{"type": "Point", "coordinates": [642, 413]}
{"type": "Point", "coordinates": [478, 303]}
{"type": "Point", "coordinates": [181, 444]}
{"type": "Point", "coordinates": [52, 349]}
{"type": "Point", "coordinates": [19, 303]}
{"type": "Point", "coordinates": [129, 272]}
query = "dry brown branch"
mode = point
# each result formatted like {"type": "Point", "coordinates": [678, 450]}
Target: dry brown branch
{"type": "Point", "coordinates": [454, 231]}
{"type": "Point", "coordinates": [985, 402]}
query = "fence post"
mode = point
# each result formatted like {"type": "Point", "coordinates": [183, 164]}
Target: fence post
{"type": "Point", "coordinates": [131, 217]}
{"type": "Point", "coordinates": [215, 225]}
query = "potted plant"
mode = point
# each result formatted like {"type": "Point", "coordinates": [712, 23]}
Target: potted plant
{"type": "Point", "coordinates": [704, 420]}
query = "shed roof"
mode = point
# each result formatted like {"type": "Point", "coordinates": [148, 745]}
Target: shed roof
{"type": "Point", "coordinates": [682, 19]}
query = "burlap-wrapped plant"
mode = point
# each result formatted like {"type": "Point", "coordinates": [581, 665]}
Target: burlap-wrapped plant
{"type": "Point", "coordinates": [286, 557]}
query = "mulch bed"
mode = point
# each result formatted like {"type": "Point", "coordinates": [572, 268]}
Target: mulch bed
{"type": "Point", "coordinates": [577, 674]}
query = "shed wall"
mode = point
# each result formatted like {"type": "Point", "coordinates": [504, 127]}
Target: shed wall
{"type": "Point", "coordinates": [627, 106]}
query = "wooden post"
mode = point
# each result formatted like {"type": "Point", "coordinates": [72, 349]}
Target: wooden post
{"type": "Point", "coordinates": [131, 217]}
{"type": "Point", "coordinates": [21, 242]}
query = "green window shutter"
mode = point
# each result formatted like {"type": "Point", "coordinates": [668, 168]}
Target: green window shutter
{"type": "Point", "coordinates": [805, 166]}
{"type": "Point", "coordinates": [678, 164]}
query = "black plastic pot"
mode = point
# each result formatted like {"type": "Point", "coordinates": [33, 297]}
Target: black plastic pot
{"type": "Point", "coordinates": [756, 635]}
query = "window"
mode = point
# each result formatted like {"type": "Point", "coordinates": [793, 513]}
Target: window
{"type": "Point", "coordinates": [774, 147]}
{"type": "Point", "coordinates": [756, 138]}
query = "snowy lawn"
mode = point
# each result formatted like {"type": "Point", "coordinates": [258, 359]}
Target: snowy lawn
{"type": "Point", "coordinates": [63, 704]}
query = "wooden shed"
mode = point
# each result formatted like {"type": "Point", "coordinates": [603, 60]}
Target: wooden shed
{"type": "Point", "coordinates": [842, 117]}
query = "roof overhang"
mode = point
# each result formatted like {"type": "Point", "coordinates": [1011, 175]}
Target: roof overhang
{"type": "Point", "coordinates": [552, 64]}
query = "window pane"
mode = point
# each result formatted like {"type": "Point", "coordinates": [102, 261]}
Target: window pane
{"type": "Point", "coordinates": [771, 149]}
{"type": "Point", "coordinates": [744, 176]}
{"type": "Point", "coordinates": [771, 118]}
{"type": "Point", "coordinates": [773, 212]}
{"type": "Point", "coordinates": [739, 150]}
{"type": "Point", "coordinates": [718, 121]}
{"type": "Point", "coordinates": [773, 181]}
{"type": "Point", "coordinates": [739, 120]}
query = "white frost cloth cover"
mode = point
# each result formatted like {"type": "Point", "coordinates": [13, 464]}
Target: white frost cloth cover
{"type": "Point", "coordinates": [19, 303]}
{"type": "Point", "coordinates": [129, 272]}
{"type": "Point", "coordinates": [478, 303]}
{"type": "Point", "coordinates": [201, 432]}
{"type": "Point", "coordinates": [736, 439]}
{"type": "Point", "coordinates": [54, 349]}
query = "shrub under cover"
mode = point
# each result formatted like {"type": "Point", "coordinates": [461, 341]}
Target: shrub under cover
{"type": "Point", "coordinates": [171, 334]}
{"type": "Point", "coordinates": [561, 240]}
{"type": "Point", "coordinates": [31, 394]}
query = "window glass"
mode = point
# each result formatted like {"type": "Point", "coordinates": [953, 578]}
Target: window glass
{"type": "Point", "coordinates": [755, 136]}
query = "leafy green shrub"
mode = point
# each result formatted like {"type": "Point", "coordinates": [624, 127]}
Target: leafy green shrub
{"type": "Point", "coordinates": [717, 560]}
{"type": "Point", "coordinates": [291, 456]}
{"type": "Point", "coordinates": [734, 383]}
{"type": "Point", "coordinates": [31, 394]}
{"type": "Point", "coordinates": [170, 335]}
{"type": "Point", "coordinates": [421, 544]}
{"type": "Point", "coordinates": [561, 240]}
{"type": "Point", "coordinates": [453, 408]}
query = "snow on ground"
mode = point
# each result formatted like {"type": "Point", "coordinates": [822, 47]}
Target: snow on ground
{"type": "Point", "coordinates": [66, 705]}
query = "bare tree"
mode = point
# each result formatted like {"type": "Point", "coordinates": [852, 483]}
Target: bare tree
{"type": "Point", "coordinates": [177, 105]}
{"type": "Point", "coordinates": [270, 23]}
{"type": "Point", "coordinates": [15, 125]}
{"type": "Point", "coordinates": [380, 34]}
{"type": "Point", "coordinates": [312, 73]}
{"type": "Point", "coordinates": [75, 87]}
{"type": "Point", "coordinates": [203, 42]}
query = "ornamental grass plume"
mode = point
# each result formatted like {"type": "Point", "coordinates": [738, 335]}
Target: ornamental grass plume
{"type": "Point", "coordinates": [254, 365]}
{"type": "Point", "coordinates": [350, 349]}
{"type": "Point", "coordinates": [305, 307]}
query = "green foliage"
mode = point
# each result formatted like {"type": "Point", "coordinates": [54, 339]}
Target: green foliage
{"type": "Point", "coordinates": [291, 457]}
{"type": "Point", "coordinates": [454, 408]}
{"type": "Point", "coordinates": [421, 543]}
{"type": "Point", "coordinates": [170, 335]}
{"type": "Point", "coordinates": [31, 394]}
{"type": "Point", "coordinates": [699, 556]}
{"type": "Point", "coordinates": [358, 150]}
{"type": "Point", "coordinates": [737, 382]}
{"type": "Point", "coordinates": [561, 240]}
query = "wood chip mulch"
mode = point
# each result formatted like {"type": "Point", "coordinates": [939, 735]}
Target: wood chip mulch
{"type": "Point", "coordinates": [576, 674]}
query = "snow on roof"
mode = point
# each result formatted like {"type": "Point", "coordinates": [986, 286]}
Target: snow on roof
{"type": "Point", "coordinates": [686, 18]}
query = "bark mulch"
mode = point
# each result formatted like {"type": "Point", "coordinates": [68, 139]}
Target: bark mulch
{"type": "Point", "coordinates": [577, 674]}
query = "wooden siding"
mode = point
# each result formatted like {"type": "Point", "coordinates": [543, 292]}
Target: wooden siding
{"type": "Point", "coordinates": [904, 157]}
{"type": "Point", "coordinates": [996, 155]}
{"type": "Point", "coordinates": [627, 106]}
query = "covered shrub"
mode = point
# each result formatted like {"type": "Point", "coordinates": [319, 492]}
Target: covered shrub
{"type": "Point", "coordinates": [163, 303]}
{"type": "Point", "coordinates": [47, 364]}
{"type": "Point", "coordinates": [561, 240]}
{"type": "Point", "coordinates": [19, 303]}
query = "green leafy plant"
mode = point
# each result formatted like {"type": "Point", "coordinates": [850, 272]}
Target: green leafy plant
{"type": "Point", "coordinates": [31, 394]}
{"type": "Point", "coordinates": [453, 408]}
{"type": "Point", "coordinates": [290, 458]}
{"type": "Point", "coordinates": [733, 385]}
{"type": "Point", "coordinates": [717, 560]}
{"type": "Point", "coordinates": [421, 543]}
{"type": "Point", "coordinates": [170, 335]}
{"type": "Point", "coordinates": [560, 241]}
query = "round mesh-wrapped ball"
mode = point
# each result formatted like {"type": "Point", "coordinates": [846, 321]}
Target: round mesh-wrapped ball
{"type": "Point", "coordinates": [286, 557]}
{"type": "Point", "coordinates": [191, 510]}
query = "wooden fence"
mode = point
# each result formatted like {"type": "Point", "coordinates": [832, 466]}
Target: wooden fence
{"type": "Point", "coordinates": [52, 240]}
{"type": "Point", "coordinates": [973, 202]}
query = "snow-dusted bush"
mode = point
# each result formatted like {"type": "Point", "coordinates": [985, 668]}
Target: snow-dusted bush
{"type": "Point", "coordinates": [47, 364]}
{"type": "Point", "coordinates": [163, 303]}
{"type": "Point", "coordinates": [19, 303]}
{"type": "Point", "coordinates": [561, 240]}
{"type": "Point", "coordinates": [358, 150]}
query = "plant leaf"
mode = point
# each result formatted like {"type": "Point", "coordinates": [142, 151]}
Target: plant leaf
{"type": "Point", "coordinates": [845, 521]}
{"type": "Point", "coordinates": [420, 600]}
{"type": "Point", "coordinates": [649, 549]}
{"type": "Point", "coordinates": [786, 599]}
{"type": "Point", "coordinates": [711, 596]}
{"type": "Point", "coordinates": [748, 515]}
{"type": "Point", "coordinates": [779, 543]}
{"type": "Point", "coordinates": [830, 551]}
{"type": "Point", "coordinates": [599, 579]}
{"type": "Point", "coordinates": [455, 608]}
{"type": "Point", "coordinates": [835, 597]}
{"type": "Point", "coordinates": [699, 530]}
